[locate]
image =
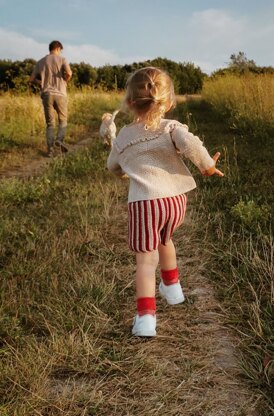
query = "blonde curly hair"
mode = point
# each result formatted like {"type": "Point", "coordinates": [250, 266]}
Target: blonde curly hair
{"type": "Point", "coordinates": [149, 95]}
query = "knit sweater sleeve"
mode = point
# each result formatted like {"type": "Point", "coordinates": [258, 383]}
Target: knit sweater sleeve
{"type": "Point", "coordinates": [191, 147]}
{"type": "Point", "coordinates": [113, 162]}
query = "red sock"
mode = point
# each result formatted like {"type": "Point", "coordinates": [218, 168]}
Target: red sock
{"type": "Point", "coordinates": [170, 277]}
{"type": "Point", "coordinates": [146, 306]}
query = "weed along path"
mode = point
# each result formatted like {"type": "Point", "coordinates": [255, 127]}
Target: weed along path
{"type": "Point", "coordinates": [74, 299]}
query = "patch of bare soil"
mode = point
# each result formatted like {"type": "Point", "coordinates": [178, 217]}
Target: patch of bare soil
{"type": "Point", "coordinates": [36, 165]}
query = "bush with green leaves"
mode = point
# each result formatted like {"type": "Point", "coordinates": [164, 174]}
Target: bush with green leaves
{"type": "Point", "coordinates": [250, 214]}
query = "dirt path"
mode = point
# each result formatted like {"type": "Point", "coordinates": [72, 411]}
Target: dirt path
{"type": "Point", "coordinates": [191, 368]}
{"type": "Point", "coordinates": [36, 166]}
{"type": "Point", "coordinates": [193, 360]}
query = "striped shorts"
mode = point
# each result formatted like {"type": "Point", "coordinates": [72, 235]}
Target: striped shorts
{"type": "Point", "coordinates": [153, 221]}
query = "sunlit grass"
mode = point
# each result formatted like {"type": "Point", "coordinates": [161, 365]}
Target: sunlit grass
{"type": "Point", "coordinates": [236, 217]}
{"type": "Point", "coordinates": [66, 279]}
{"type": "Point", "coordinates": [22, 125]}
{"type": "Point", "coordinates": [247, 101]}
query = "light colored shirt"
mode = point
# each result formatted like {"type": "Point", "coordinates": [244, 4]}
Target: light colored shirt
{"type": "Point", "coordinates": [52, 69]}
{"type": "Point", "coordinates": [153, 159]}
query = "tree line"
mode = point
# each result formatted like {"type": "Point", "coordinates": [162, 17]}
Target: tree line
{"type": "Point", "coordinates": [188, 78]}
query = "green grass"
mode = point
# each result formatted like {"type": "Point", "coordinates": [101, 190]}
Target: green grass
{"type": "Point", "coordinates": [58, 283]}
{"type": "Point", "coordinates": [236, 229]}
{"type": "Point", "coordinates": [67, 283]}
{"type": "Point", "coordinates": [22, 125]}
{"type": "Point", "coordinates": [245, 101]}
{"type": "Point", "coordinates": [67, 301]}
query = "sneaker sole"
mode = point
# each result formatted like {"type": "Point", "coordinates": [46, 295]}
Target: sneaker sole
{"type": "Point", "coordinates": [174, 301]}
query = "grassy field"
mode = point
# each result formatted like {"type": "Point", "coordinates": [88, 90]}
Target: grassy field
{"type": "Point", "coordinates": [237, 114]}
{"type": "Point", "coordinates": [67, 281]}
{"type": "Point", "coordinates": [60, 274]}
{"type": "Point", "coordinates": [246, 103]}
{"type": "Point", "coordinates": [22, 124]}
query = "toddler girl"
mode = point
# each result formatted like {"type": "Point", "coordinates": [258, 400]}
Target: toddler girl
{"type": "Point", "coordinates": [149, 152]}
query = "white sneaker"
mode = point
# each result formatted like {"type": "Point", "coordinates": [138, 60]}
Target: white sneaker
{"type": "Point", "coordinates": [172, 293]}
{"type": "Point", "coordinates": [144, 326]}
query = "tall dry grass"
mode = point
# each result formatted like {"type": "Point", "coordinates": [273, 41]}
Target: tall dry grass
{"type": "Point", "coordinates": [21, 120]}
{"type": "Point", "coordinates": [22, 125]}
{"type": "Point", "coordinates": [246, 101]}
{"type": "Point", "coordinates": [22, 117]}
{"type": "Point", "coordinates": [236, 220]}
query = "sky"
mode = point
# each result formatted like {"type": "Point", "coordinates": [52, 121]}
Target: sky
{"type": "Point", "coordinates": [99, 32]}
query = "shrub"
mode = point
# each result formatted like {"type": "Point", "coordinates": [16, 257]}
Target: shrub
{"type": "Point", "coordinates": [249, 213]}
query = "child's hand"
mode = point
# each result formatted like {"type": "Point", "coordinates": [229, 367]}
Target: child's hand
{"type": "Point", "coordinates": [212, 170]}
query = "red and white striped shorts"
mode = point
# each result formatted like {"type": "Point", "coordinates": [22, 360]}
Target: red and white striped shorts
{"type": "Point", "coordinates": [153, 221]}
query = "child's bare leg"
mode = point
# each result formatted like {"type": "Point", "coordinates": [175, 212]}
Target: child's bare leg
{"type": "Point", "coordinates": [170, 287]}
{"type": "Point", "coordinates": [144, 324]}
{"type": "Point", "coordinates": [145, 273]}
{"type": "Point", "coordinates": [167, 256]}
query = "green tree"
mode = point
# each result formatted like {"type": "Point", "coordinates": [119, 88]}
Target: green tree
{"type": "Point", "coordinates": [240, 63]}
{"type": "Point", "coordinates": [15, 75]}
{"type": "Point", "coordinates": [107, 78]}
{"type": "Point", "coordinates": [187, 77]}
{"type": "Point", "coordinates": [83, 74]}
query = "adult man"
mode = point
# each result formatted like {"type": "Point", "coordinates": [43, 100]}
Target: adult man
{"type": "Point", "coordinates": [52, 73]}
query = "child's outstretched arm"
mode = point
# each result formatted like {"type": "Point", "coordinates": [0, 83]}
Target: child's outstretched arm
{"type": "Point", "coordinates": [212, 170]}
{"type": "Point", "coordinates": [192, 147]}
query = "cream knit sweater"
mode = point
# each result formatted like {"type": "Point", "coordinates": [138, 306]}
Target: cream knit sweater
{"type": "Point", "coordinates": [153, 159]}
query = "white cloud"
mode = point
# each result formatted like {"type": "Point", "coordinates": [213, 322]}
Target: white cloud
{"type": "Point", "coordinates": [96, 56]}
{"type": "Point", "coordinates": [47, 33]}
{"type": "Point", "coordinates": [214, 34]}
{"type": "Point", "coordinates": [213, 23]}
{"type": "Point", "coordinates": [207, 38]}
{"type": "Point", "coordinates": [16, 46]}
{"type": "Point", "coordinates": [13, 45]}
{"type": "Point", "coordinates": [91, 54]}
